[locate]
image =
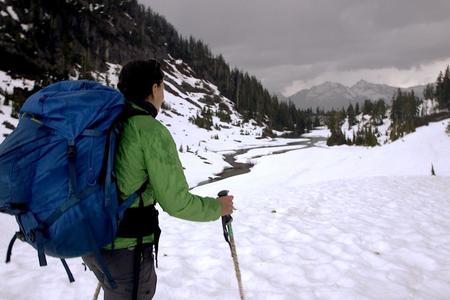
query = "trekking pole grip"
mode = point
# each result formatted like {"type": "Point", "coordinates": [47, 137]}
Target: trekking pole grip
{"type": "Point", "coordinates": [223, 193]}
{"type": "Point", "coordinates": [226, 220]}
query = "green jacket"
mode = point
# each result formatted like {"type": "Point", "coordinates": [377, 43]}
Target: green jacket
{"type": "Point", "coordinates": [147, 151]}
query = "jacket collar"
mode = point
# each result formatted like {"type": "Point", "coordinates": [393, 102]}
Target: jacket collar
{"type": "Point", "coordinates": [146, 107]}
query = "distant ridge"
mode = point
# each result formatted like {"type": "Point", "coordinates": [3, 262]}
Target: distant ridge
{"type": "Point", "coordinates": [330, 95]}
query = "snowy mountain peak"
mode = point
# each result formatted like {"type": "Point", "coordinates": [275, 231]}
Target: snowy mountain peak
{"type": "Point", "coordinates": [327, 88]}
{"type": "Point", "coordinates": [330, 83]}
{"type": "Point", "coordinates": [330, 95]}
{"type": "Point", "coordinates": [361, 82]}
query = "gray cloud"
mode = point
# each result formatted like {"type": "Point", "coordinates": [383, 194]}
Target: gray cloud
{"type": "Point", "coordinates": [288, 41]}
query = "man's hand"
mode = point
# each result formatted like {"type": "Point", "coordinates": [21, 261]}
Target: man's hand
{"type": "Point", "coordinates": [227, 204]}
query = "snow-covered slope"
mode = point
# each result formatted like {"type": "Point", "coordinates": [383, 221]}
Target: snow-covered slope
{"type": "Point", "coordinates": [7, 85]}
{"type": "Point", "coordinates": [381, 131]}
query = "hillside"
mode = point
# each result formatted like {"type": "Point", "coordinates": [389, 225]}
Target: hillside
{"type": "Point", "coordinates": [187, 98]}
{"type": "Point", "coordinates": [46, 41]}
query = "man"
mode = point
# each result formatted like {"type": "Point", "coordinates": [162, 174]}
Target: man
{"type": "Point", "coordinates": [147, 162]}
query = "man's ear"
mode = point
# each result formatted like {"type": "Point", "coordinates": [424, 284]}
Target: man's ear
{"type": "Point", "coordinates": [154, 89]}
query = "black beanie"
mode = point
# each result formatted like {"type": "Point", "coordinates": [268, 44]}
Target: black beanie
{"type": "Point", "coordinates": [138, 77]}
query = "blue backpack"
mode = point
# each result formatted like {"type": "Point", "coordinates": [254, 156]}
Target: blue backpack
{"type": "Point", "coordinates": [56, 171]}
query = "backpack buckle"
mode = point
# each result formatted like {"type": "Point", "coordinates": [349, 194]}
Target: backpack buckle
{"type": "Point", "coordinates": [31, 236]}
{"type": "Point", "coordinates": [20, 236]}
{"type": "Point", "coordinates": [71, 152]}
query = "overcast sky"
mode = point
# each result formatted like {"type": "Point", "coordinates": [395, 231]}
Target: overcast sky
{"type": "Point", "coordinates": [290, 45]}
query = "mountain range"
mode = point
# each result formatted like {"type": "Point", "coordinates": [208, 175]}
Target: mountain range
{"type": "Point", "coordinates": [331, 95]}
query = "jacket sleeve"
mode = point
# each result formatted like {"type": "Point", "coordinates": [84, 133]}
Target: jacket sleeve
{"type": "Point", "coordinates": [168, 181]}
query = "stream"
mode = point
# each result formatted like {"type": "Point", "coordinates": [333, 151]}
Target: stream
{"type": "Point", "coordinates": [242, 168]}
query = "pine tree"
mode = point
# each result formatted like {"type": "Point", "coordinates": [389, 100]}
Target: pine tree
{"type": "Point", "coordinates": [316, 121]}
{"type": "Point", "coordinates": [334, 124]}
{"type": "Point", "coordinates": [446, 88]}
{"type": "Point", "coordinates": [440, 89]}
{"type": "Point", "coordinates": [367, 107]}
{"type": "Point", "coordinates": [428, 92]}
{"type": "Point", "coordinates": [403, 113]}
{"type": "Point", "coordinates": [379, 111]}
{"type": "Point", "coordinates": [351, 116]}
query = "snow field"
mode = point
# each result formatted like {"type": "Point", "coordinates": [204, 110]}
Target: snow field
{"type": "Point", "coordinates": [358, 239]}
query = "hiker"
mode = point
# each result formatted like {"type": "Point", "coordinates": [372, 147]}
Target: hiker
{"type": "Point", "coordinates": [147, 162]}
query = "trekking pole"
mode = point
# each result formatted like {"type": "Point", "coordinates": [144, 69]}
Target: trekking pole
{"type": "Point", "coordinates": [97, 291]}
{"type": "Point", "coordinates": [229, 238]}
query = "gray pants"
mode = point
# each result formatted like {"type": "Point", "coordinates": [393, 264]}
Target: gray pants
{"type": "Point", "coordinates": [120, 264]}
